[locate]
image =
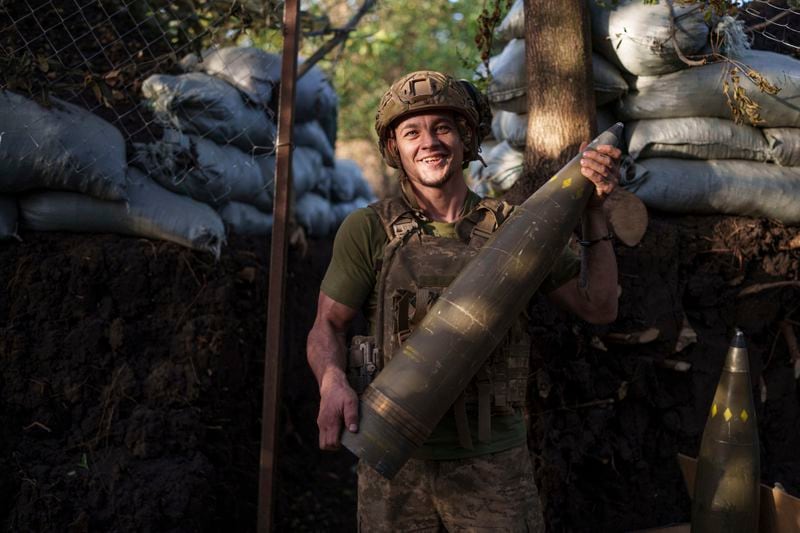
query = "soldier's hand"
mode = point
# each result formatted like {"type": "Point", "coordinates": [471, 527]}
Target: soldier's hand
{"type": "Point", "coordinates": [338, 402]}
{"type": "Point", "coordinates": [601, 167]}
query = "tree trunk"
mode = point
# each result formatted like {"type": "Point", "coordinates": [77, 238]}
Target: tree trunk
{"type": "Point", "coordinates": [561, 107]}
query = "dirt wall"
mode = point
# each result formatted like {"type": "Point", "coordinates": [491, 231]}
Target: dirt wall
{"type": "Point", "coordinates": [130, 378]}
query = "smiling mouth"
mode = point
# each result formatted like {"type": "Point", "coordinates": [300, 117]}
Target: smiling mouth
{"type": "Point", "coordinates": [433, 159]}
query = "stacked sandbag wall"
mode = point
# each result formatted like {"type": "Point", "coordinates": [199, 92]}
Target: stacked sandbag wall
{"type": "Point", "coordinates": [686, 152]}
{"type": "Point", "coordinates": [219, 141]}
{"type": "Point", "coordinates": [507, 95]}
{"type": "Point", "coordinates": [63, 168]}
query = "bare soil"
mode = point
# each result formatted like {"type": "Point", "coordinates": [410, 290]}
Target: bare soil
{"type": "Point", "coordinates": [130, 379]}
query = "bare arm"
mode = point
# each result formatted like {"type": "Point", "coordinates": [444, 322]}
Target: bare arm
{"type": "Point", "coordinates": [597, 302]}
{"type": "Point", "coordinates": [326, 354]}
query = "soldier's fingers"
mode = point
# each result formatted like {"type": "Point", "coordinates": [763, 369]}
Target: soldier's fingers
{"type": "Point", "coordinates": [329, 427]}
{"type": "Point", "coordinates": [609, 150]}
{"type": "Point", "coordinates": [351, 414]}
{"type": "Point", "coordinates": [602, 159]}
{"type": "Point", "coordinates": [593, 170]}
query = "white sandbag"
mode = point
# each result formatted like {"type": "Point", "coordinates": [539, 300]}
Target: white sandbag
{"type": "Point", "coordinates": [695, 138]}
{"type": "Point", "coordinates": [151, 211]}
{"type": "Point", "coordinates": [203, 170]}
{"type": "Point", "coordinates": [504, 167]}
{"type": "Point", "coordinates": [510, 127]}
{"type": "Point", "coordinates": [347, 182]}
{"type": "Point", "coordinates": [257, 74]}
{"type": "Point", "coordinates": [9, 216]}
{"type": "Point", "coordinates": [509, 84]}
{"type": "Point", "coordinates": [697, 92]}
{"type": "Point", "coordinates": [733, 187]}
{"type": "Point", "coordinates": [209, 107]}
{"type": "Point", "coordinates": [513, 24]}
{"type": "Point", "coordinates": [245, 219]}
{"type": "Point", "coordinates": [513, 127]}
{"type": "Point", "coordinates": [65, 148]}
{"type": "Point", "coordinates": [609, 85]}
{"type": "Point", "coordinates": [311, 135]}
{"type": "Point", "coordinates": [314, 213]}
{"type": "Point", "coordinates": [784, 146]}
{"type": "Point", "coordinates": [638, 37]}
{"type": "Point", "coordinates": [307, 172]}
{"type": "Point", "coordinates": [341, 210]}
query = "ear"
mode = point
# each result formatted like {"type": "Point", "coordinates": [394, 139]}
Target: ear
{"type": "Point", "coordinates": [391, 149]}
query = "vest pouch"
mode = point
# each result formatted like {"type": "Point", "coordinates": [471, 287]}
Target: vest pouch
{"type": "Point", "coordinates": [362, 362]}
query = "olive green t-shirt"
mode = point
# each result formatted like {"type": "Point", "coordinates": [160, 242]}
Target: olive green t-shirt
{"type": "Point", "coordinates": [351, 279]}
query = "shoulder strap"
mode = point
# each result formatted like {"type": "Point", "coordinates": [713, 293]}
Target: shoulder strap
{"type": "Point", "coordinates": [478, 225]}
{"type": "Point", "coordinates": [396, 217]}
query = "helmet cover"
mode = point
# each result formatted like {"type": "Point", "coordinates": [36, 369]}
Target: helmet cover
{"type": "Point", "coordinates": [428, 90]}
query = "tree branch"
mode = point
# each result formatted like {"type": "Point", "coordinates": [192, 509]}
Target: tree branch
{"type": "Point", "coordinates": [674, 30]}
{"type": "Point", "coordinates": [336, 40]}
{"type": "Point", "coordinates": [762, 25]}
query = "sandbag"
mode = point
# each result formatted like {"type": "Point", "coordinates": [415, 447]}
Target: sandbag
{"type": "Point", "coordinates": [347, 182]}
{"type": "Point", "coordinates": [513, 24]}
{"type": "Point", "coordinates": [733, 187]}
{"type": "Point", "coordinates": [637, 37]}
{"type": "Point", "coordinates": [784, 146]}
{"type": "Point", "coordinates": [513, 127]}
{"type": "Point", "coordinates": [697, 92]}
{"type": "Point", "coordinates": [503, 167]}
{"type": "Point", "coordinates": [257, 74]}
{"type": "Point", "coordinates": [9, 215]}
{"type": "Point", "coordinates": [245, 219]}
{"type": "Point", "coordinates": [695, 138]}
{"type": "Point", "coordinates": [307, 171]}
{"type": "Point", "coordinates": [151, 211]}
{"type": "Point", "coordinates": [314, 213]}
{"type": "Point", "coordinates": [209, 107]}
{"type": "Point", "coordinates": [509, 83]}
{"type": "Point", "coordinates": [203, 170]}
{"type": "Point", "coordinates": [65, 148]}
{"type": "Point", "coordinates": [311, 135]}
{"type": "Point", "coordinates": [341, 210]}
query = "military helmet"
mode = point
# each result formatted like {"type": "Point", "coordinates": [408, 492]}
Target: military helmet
{"type": "Point", "coordinates": [428, 90]}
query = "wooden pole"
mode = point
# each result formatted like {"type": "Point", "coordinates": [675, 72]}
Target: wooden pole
{"type": "Point", "coordinates": [277, 269]}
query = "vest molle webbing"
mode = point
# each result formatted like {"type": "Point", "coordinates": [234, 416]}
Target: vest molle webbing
{"type": "Point", "coordinates": [415, 270]}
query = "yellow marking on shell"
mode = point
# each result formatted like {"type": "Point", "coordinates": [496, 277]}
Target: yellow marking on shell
{"type": "Point", "coordinates": [727, 414]}
{"type": "Point", "coordinates": [566, 183]}
{"type": "Point", "coordinates": [713, 410]}
{"type": "Point", "coordinates": [744, 416]}
{"type": "Point", "coordinates": [554, 177]}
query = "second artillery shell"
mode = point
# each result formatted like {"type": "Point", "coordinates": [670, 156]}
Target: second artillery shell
{"type": "Point", "coordinates": [726, 489]}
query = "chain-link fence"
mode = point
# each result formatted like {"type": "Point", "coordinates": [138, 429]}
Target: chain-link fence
{"type": "Point", "coordinates": [182, 94]}
{"type": "Point", "coordinates": [773, 25]}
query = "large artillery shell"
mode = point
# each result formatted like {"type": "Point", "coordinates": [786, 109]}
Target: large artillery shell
{"type": "Point", "coordinates": [400, 409]}
{"type": "Point", "coordinates": [726, 489]}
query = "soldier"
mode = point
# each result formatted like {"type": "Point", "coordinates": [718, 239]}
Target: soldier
{"type": "Point", "coordinates": [392, 259]}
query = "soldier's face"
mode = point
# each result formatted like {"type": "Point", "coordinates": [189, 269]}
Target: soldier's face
{"type": "Point", "coordinates": [430, 148]}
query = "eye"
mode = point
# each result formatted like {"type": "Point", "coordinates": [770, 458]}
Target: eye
{"type": "Point", "coordinates": [410, 134]}
{"type": "Point", "coordinates": [443, 128]}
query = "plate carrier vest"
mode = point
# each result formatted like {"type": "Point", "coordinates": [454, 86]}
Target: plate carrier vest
{"type": "Point", "coordinates": [415, 270]}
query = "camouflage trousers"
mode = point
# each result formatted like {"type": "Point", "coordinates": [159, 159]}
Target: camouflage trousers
{"type": "Point", "coordinates": [493, 492]}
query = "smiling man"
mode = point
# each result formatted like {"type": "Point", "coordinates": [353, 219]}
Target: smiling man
{"type": "Point", "coordinates": [392, 260]}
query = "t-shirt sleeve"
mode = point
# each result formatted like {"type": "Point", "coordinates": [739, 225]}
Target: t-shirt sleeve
{"type": "Point", "coordinates": [351, 275]}
{"type": "Point", "coordinates": [566, 267]}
